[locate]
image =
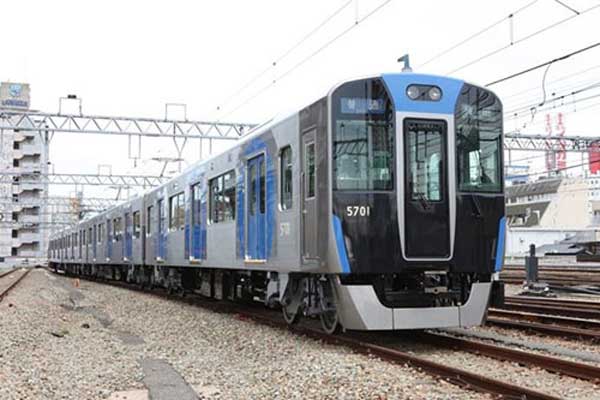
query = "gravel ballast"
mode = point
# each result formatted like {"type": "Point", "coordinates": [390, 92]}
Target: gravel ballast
{"type": "Point", "coordinates": [60, 341]}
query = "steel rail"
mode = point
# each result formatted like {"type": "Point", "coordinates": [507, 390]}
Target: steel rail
{"type": "Point", "coordinates": [563, 331]}
{"type": "Point", "coordinates": [547, 319]}
{"type": "Point", "coordinates": [10, 271]}
{"type": "Point", "coordinates": [557, 309]}
{"type": "Point", "coordinates": [590, 305]}
{"type": "Point", "coordinates": [552, 364]}
{"type": "Point", "coordinates": [14, 284]}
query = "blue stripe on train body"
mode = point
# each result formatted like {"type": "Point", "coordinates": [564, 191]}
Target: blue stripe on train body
{"type": "Point", "coordinates": [340, 243]}
{"type": "Point", "coordinates": [500, 245]}
{"type": "Point", "coordinates": [397, 84]}
{"type": "Point", "coordinates": [255, 147]}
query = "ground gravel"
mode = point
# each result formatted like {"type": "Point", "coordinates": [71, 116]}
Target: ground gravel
{"type": "Point", "coordinates": [63, 342]}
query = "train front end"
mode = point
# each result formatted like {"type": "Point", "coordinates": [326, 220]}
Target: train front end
{"type": "Point", "coordinates": [417, 201]}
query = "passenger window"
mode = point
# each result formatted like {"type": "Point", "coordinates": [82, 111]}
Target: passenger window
{"type": "Point", "coordinates": [176, 212]}
{"type": "Point", "coordinates": [252, 191]}
{"type": "Point", "coordinates": [222, 198]}
{"type": "Point", "coordinates": [196, 204]}
{"type": "Point", "coordinates": [137, 226]}
{"type": "Point", "coordinates": [285, 178]}
{"type": "Point", "coordinates": [161, 216]}
{"type": "Point", "coordinates": [310, 170]}
{"type": "Point", "coordinates": [263, 189]}
{"type": "Point", "coordinates": [149, 211]}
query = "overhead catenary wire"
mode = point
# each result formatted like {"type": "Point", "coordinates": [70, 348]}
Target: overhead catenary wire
{"type": "Point", "coordinates": [477, 34]}
{"type": "Point", "coordinates": [544, 64]}
{"type": "Point", "coordinates": [523, 39]}
{"type": "Point", "coordinates": [285, 54]}
{"type": "Point", "coordinates": [309, 57]}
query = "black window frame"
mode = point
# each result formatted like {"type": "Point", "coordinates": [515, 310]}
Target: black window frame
{"type": "Point", "coordinates": [482, 95]}
{"type": "Point", "coordinates": [377, 112]}
{"type": "Point", "coordinates": [221, 210]}
{"type": "Point", "coordinates": [286, 197]}
{"type": "Point", "coordinates": [177, 211]}
{"type": "Point", "coordinates": [137, 224]}
{"type": "Point", "coordinates": [443, 175]}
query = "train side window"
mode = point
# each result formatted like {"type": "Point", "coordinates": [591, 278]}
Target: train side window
{"type": "Point", "coordinates": [137, 225]}
{"type": "Point", "coordinates": [149, 220]}
{"type": "Point", "coordinates": [196, 197]}
{"type": "Point", "coordinates": [161, 216]}
{"type": "Point", "coordinates": [252, 190]}
{"type": "Point", "coordinates": [285, 179]}
{"type": "Point", "coordinates": [100, 233]}
{"type": "Point", "coordinates": [222, 197]}
{"type": "Point", "coordinates": [310, 170]}
{"type": "Point", "coordinates": [176, 212]}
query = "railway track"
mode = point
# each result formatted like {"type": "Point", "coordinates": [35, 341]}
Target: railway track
{"type": "Point", "coordinates": [556, 275]}
{"type": "Point", "coordinates": [9, 282]}
{"type": "Point", "coordinates": [460, 377]}
{"type": "Point", "coordinates": [567, 308]}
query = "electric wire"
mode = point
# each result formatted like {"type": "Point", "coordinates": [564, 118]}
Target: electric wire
{"type": "Point", "coordinates": [309, 57]}
{"type": "Point", "coordinates": [547, 63]}
{"type": "Point", "coordinates": [284, 54]}
{"type": "Point", "coordinates": [521, 40]}
{"type": "Point", "coordinates": [476, 34]}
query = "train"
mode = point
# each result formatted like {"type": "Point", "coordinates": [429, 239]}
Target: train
{"type": "Point", "coordinates": [379, 206]}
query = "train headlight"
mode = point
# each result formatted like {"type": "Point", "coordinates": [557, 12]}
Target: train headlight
{"type": "Point", "coordinates": [435, 93]}
{"type": "Point", "coordinates": [413, 92]}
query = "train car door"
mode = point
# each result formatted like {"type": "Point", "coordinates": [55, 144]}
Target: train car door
{"type": "Point", "coordinates": [426, 209]}
{"type": "Point", "coordinates": [198, 222]}
{"type": "Point", "coordinates": [256, 206]}
{"type": "Point", "coordinates": [309, 195]}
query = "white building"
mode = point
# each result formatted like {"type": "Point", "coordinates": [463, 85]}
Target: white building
{"type": "Point", "coordinates": [552, 210]}
{"type": "Point", "coordinates": [23, 157]}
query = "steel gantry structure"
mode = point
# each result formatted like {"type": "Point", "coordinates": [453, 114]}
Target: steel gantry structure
{"type": "Point", "coordinates": [518, 141]}
{"type": "Point", "coordinates": [144, 181]}
{"type": "Point", "coordinates": [125, 126]}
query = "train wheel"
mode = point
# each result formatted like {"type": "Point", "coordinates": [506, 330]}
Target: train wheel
{"type": "Point", "coordinates": [330, 321]}
{"type": "Point", "coordinates": [290, 317]}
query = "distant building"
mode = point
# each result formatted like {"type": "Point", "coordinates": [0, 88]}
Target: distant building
{"type": "Point", "coordinates": [552, 210]}
{"type": "Point", "coordinates": [23, 193]}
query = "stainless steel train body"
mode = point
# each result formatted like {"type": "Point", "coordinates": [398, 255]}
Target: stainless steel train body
{"type": "Point", "coordinates": [379, 206]}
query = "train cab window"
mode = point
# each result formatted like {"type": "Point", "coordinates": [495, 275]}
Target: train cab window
{"type": "Point", "coordinates": [149, 211]}
{"type": "Point", "coordinates": [176, 212]}
{"type": "Point", "coordinates": [424, 159]}
{"type": "Point", "coordinates": [363, 137]}
{"type": "Point", "coordinates": [285, 170]}
{"type": "Point", "coordinates": [222, 197]}
{"type": "Point", "coordinates": [478, 141]}
{"type": "Point", "coordinates": [137, 225]}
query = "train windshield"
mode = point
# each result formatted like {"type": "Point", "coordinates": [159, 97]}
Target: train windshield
{"type": "Point", "coordinates": [363, 137]}
{"type": "Point", "coordinates": [479, 141]}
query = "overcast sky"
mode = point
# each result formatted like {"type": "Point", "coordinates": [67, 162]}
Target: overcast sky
{"type": "Point", "coordinates": [132, 57]}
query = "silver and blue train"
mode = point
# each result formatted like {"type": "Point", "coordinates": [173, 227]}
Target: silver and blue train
{"type": "Point", "coordinates": [378, 207]}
